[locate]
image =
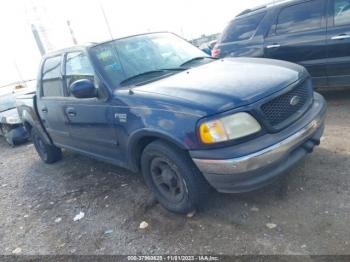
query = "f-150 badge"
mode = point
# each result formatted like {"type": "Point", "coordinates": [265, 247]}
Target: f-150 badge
{"type": "Point", "coordinates": [121, 117]}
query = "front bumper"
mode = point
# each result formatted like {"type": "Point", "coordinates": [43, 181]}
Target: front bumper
{"type": "Point", "coordinates": [264, 163]}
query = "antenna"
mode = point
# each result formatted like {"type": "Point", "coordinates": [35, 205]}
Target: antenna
{"type": "Point", "coordinates": [105, 18]}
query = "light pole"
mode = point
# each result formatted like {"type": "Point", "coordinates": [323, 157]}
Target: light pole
{"type": "Point", "coordinates": [72, 33]}
{"type": "Point", "coordinates": [38, 41]}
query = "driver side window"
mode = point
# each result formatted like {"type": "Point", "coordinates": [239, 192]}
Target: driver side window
{"type": "Point", "coordinates": [77, 67]}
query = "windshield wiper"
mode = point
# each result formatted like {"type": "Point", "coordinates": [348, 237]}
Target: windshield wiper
{"type": "Point", "coordinates": [197, 58]}
{"type": "Point", "coordinates": [6, 109]}
{"type": "Point", "coordinates": [163, 70]}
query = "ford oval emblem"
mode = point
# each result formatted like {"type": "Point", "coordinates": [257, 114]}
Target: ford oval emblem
{"type": "Point", "coordinates": [294, 100]}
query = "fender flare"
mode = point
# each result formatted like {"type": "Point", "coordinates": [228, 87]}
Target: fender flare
{"type": "Point", "coordinates": [27, 119]}
{"type": "Point", "coordinates": [133, 149]}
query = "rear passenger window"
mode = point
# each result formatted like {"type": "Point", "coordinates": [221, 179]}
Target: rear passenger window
{"type": "Point", "coordinates": [241, 28]}
{"type": "Point", "coordinates": [301, 17]}
{"type": "Point", "coordinates": [341, 12]}
{"type": "Point", "coordinates": [78, 67]}
{"type": "Point", "coordinates": [51, 77]}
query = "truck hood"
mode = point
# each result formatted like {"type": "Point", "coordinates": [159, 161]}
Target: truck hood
{"type": "Point", "coordinates": [227, 83]}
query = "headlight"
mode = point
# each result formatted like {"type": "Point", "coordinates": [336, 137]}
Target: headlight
{"type": "Point", "coordinates": [13, 120]}
{"type": "Point", "coordinates": [228, 128]}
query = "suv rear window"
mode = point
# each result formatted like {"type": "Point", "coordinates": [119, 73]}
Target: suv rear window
{"type": "Point", "coordinates": [301, 17]}
{"type": "Point", "coordinates": [241, 28]}
{"type": "Point", "coordinates": [341, 12]}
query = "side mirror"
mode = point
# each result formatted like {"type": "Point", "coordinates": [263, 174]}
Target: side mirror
{"type": "Point", "coordinates": [83, 88]}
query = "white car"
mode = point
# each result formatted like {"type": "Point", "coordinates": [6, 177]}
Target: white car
{"type": "Point", "coordinates": [10, 124]}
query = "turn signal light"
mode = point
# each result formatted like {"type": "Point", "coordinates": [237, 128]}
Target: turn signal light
{"type": "Point", "coordinates": [212, 132]}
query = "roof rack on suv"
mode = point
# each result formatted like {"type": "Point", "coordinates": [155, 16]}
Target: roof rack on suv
{"type": "Point", "coordinates": [250, 10]}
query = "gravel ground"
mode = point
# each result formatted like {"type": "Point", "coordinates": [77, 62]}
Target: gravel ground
{"type": "Point", "coordinates": [306, 213]}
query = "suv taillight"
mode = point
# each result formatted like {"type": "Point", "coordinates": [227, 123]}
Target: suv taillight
{"type": "Point", "coordinates": [215, 52]}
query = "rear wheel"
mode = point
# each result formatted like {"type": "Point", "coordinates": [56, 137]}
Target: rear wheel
{"type": "Point", "coordinates": [174, 179]}
{"type": "Point", "coordinates": [47, 152]}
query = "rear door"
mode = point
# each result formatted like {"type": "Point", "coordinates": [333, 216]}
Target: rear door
{"type": "Point", "coordinates": [299, 35]}
{"type": "Point", "coordinates": [51, 100]}
{"type": "Point", "coordinates": [90, 120]}
{"type": "Point", "coordinates": [338, 42]}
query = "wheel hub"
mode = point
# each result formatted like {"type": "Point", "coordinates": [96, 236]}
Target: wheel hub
{"type": "Point", "coordinates": [167, 180]}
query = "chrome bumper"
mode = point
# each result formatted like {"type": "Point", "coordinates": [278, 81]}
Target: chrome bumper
{"type": "Point", "coordinates": [263, 158]}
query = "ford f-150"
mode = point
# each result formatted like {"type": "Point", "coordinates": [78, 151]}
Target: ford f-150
{"type": "Point", "coordinates": [154, 103]}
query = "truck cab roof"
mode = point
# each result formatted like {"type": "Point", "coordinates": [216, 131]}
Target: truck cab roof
{"type": "Point", "coordinates": [92, 44]}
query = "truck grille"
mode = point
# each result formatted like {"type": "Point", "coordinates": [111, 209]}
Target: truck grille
{"type": "Point", "coordinates": [286, 108]}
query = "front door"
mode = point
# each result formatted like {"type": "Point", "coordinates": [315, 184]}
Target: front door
{"type": "Point", "coordinates": [299, 35]}
{"type": "Point", "coordinates": [338, 42]}
{"type": "Point", "coordinates": [90, 120]}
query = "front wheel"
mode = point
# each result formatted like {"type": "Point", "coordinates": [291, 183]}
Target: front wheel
{"type": "Point", "coordinates": [176, 182]}
{"type": "Point", "coordinates": [47, 152]}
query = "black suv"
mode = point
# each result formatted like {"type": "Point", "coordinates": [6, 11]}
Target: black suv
{"type": "Point", "coordinates": [313, 33]}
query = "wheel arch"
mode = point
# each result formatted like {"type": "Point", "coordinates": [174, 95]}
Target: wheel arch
{"type": "Point", "coordinates": [139, 140]}
{"type": "Point", "coordinates": [30, 122]}
{"type": "Point", "coordinates": [28, 126]}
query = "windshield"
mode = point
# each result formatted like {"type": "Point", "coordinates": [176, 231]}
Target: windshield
{"type": "Point", "coordinates": [124, 58]}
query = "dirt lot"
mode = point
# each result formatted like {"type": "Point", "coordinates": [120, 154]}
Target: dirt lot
{"type": "Point", "coordinates": [311, 208]}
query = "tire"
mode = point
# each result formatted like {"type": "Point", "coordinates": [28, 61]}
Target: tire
{"type": "Point", "coordinates": [47, 152]}
{"type": "Point", "coordinates": [175, 181]}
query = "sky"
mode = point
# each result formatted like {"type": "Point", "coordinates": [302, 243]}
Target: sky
{"type": "Point", "coordinates": [20, 56]}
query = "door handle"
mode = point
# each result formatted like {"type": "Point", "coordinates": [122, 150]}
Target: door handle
{"type": "Point", "coordinates": [340, 37]}
{"type": "Point", "coordinates": [44, 109]}
{"type": "Point", "coordinates": [71, 112]}
{"type": "Point", "coordinates": [273, 46]}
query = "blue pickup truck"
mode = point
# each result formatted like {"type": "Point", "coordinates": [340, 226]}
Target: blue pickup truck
{"type": "Point", "coordinates": [155, 103]}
